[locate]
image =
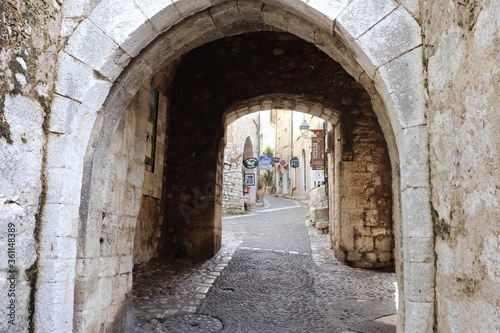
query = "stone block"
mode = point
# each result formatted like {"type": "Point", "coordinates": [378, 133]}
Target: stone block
{"type": "Point", "coordinates": [64, 152]}
{"type": "Point", "coordinates": [188, 8]}
{"type": "Point", "coordinates": [315, 110]}
{"type": "Point", "coordinates": [57, 270]}
{"type": "Point", "coordinates": [75, 77]}
{"type": "Point", "coordinates": [63, 186]}
{"type": "Point", "coordinates": [353, 256]}
{"type": "Point", "coordinates": [419, 249]}
{"type": "Point", "coordinates": [413, 146]}
{"type": "Point", "coordinates": [391, 37]}
{"type": "Point", "coordinates": [60, 220]}
{"type": "Point", "coordinates": [126, 264]}
{"type": "Point", "coordinates": [416, 213]}
{"type": "Point", "coordinates": [364, 244]}
{"type": "Point", "coordinates": [403, 72]}
{"type": "Point", "coordinates": [225, 14]}
{"type": "Point", "coordinates": [53, 306]}
{"type": "Point", "coordinates": [161, 13]}
{"type": "Point", "coordinates": [105, 292]}
{"type": "Point", "coordinates": [58, 247]}
{"type": "Point", "coordinates": [383, 243]}
{"type": "Point", "coordinates": [63, 115]}
{"type": "Point", "coordinates": [273, 18]}
{"type": "Point", "coordinates": [301, 28]}
{"type": "Point", "coordinates": [419, 281]}
{"type": "Point", "coordinates": [250, 11]}
{"type": "Point", "coordinates": [108, 266]}
{"type": "Point", "coordinates": [379, 231]}
{"type": "Point", "coordinates": [94, 48]}
{"type": "Point", "coordinates": [128, 26]}
{"type": "Point", "coordinates": [420, 316]}
{"type": "Point", "coordinates": [202, 24]}
{"type": "Point", "coordinates": [361, 15]}
{"type": "Point", "coordinates": [87, 267]}
{"type": "Point", "coordinates": [321, 225]}
{"type": "Point", "coordinates": [384, 256]}
{"type": "Point", "coordinates": [319, 214]}
{"type": "Point", "coordinates": [324, 12]}
{"type": "Point", "coordinates": [371, 257]}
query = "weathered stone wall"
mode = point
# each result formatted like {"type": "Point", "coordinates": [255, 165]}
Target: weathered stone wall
{"type": "Point", "coordinates": [236, 134]}
{"type": "Point", "coordinates": [365, 235]}
{"type": "Point", "coordinates": [28, 46]}
{"type": "Point", "coordinates": [150, 219]}
{"type": "Point", "coordinates": [462, 58]}
{"type": "Point", "coordinates": [105, 256]}
{"type": "Point", "coordinates": [232, 192]}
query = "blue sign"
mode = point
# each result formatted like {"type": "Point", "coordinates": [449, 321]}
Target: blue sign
{"type": "Point", "coordinates": [266, 162]}
{"type": "Point", "coordinates": [294, 162]}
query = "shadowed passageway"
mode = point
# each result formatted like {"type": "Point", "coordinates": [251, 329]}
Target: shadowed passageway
{"type": "Point", "coordinates": [273, 274]}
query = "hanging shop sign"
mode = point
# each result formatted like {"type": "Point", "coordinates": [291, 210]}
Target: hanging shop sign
{"type": "Point", "coordinates": [294, 162]}
{"type": "Point", "coordinates": [266, 162]}
{"type": "Point", "coordinates": [251, 163]}
{"type": "Point", "coordinates": [317, 150]}
{"type": "Point", "coordinates": [249, 179]}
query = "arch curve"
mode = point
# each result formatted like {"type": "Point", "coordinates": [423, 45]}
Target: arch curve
{"type": "Point", "coordinates": [106, 59]}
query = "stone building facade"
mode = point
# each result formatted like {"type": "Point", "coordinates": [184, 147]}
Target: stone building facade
{"type": "Point", "coordinates": [423, 76]}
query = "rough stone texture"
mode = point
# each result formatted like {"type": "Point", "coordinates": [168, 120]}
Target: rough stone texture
{"type": "Point", "coordinates": [318, 208]}
{"type": "Point", "coordinates": [462, 52]}
{"type": "Point", "coordinates": [460, 65]}
{"type": "Point", "coordinates": [28, 43]}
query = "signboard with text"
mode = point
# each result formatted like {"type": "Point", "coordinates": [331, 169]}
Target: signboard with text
{"type": "Point", "coordinates": [266, 162]}
{"type": "Point", "coordinates": [318, 150]}
{"type": "Point", "coordinates": [294, 162]}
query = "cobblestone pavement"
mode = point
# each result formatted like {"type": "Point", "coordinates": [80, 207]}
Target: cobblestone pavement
{"type": "Point", "coordinates": [273, 274]}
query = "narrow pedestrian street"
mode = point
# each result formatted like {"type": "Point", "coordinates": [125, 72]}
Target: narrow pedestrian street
{"type": "Point", "coordinates": [273, 274]}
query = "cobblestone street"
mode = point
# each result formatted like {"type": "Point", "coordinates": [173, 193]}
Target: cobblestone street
{"type": "Point", "coordinates": [273, 274]}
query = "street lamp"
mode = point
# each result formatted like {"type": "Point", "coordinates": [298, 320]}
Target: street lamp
{"type": "Point", "coordinates": [304, 128]}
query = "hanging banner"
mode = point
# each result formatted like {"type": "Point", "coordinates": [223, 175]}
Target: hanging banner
{"type": "Point", "coordinates": [294, 162]}
{"type": "Point", "coordinates": [317, 150]}
{"type": "Point", "coordinates": [251, 163]}
{"type": "Point", "coordinates": [266, 162]}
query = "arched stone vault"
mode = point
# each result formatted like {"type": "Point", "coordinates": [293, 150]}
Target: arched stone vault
{"type": "Point", "coordinates": [107, 57]}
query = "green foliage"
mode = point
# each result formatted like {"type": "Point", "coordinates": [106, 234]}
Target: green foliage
{"type": "Point", "coordinates": [267, 152]}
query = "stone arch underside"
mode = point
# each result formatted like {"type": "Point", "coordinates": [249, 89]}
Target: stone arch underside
{"type": "Point", "coordinates": [106, 58]}
{"type": "Point", "coordinates": [361, 226]}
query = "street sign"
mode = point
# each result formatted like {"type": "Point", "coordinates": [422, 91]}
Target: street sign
{"type": "Point", "coordinates": [294, 162]}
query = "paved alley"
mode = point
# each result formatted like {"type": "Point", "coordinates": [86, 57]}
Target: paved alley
{"type": "Point", "coordinates": [273, 274]}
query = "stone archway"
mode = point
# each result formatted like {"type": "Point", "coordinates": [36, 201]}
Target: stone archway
{"type": "Point", "coordinates": [360, 207]}
{"type": "Point", "coordinates": [106, 59]}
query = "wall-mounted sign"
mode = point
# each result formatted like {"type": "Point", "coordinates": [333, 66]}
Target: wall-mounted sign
{"type": "Point", "coordinates": [249, 179]}
{"type": "Point", "coordinates": [317, 151]}
{"type": "Point", "coordinates": [294, 162]}
{"type": "Point", "coordinates": [251, 163]}
{"type": "Point", "coordinates": [265, 162]}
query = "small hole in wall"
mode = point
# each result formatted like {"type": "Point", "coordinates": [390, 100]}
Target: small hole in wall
{"type": "Point", "coordinates": [101, 248]}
